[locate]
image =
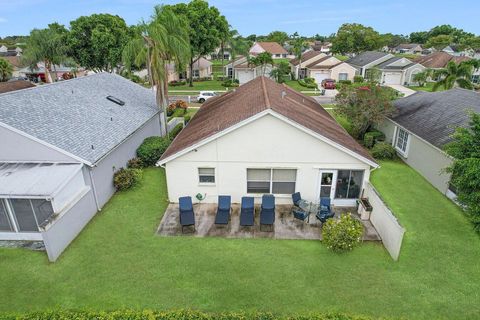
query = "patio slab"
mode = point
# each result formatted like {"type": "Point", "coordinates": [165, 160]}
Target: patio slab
{"type": "Point", "coordinates": [285, 227]}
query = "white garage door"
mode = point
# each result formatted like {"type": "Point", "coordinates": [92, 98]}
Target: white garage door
{"type": "Point", "coordinates": [244, 76]}
{"type": "Point", "coordinates": [319, 76]}
{"type": "Point", "coordinates": [392, 78]}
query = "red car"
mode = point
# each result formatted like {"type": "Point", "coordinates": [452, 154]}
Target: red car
{"type": "Point", "coordinates": [328, 84]}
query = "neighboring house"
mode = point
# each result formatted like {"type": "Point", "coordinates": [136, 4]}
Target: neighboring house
{"type": "Point", "coordinates": [61, 145]}
{"type": "Point", "coordinates": [324, 47]}
{"type": "Point", "coordinates": [15, 62]}
{"type": "Point", "coordinates": [3, 48]}
{"type": "Point", "coordinates": [330, 67]}
{"type": "Point", "coordinates": [38, 74]}
{"type": "Point", "coordinates": [243, 71]}
{"type": "Point", "coordinates": [439, 60]}
{"type": "Point", "coordinates": [457, 52]}
{"type": "Point", "coordinates": [308, 57]}
{"type": "Point", "coordinates": [263, 138]}
{"type": "Point", "coordinates": [16, 51]}
{"type": "Point", "coordinates": [275, 49]}
{"type": "Point", "coordinates": [217, 54]}
{"type": "Point", "coordinates": [15, 85]}
{"type": "Point", "coordinates": [410, 48]}
{"type": "Point", "coordinates": [423, 124]}
{"type": "Point", "coordinates": [394, 70]}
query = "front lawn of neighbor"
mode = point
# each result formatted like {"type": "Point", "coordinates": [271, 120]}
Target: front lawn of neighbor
{"type": "Point", "coordinates": [427, 87]}
{"type": "Point", "coordinates": [209, 85]}
{"type": "Point", "coordinates": [119, 262]}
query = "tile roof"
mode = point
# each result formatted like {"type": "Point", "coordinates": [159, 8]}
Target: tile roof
{"type": "Point", "coordinates": [434, 116]}
{"type": "Point", "coordinates": [365, 58]}
{"type": "Point", "coordinates": [272, 47]}
{"type": "Point", "coordinates": [306, 56]}
{"type": "Point", "coordinates": [15, 85]}
{"type": "Point", "coordinates": [258, 95]}
{"type": "Point", "coordinates": [14, 60]}
{"type": "Point", "coordinates": [75, 115]}
{"type": "Point", "coordinates": [439, 59]}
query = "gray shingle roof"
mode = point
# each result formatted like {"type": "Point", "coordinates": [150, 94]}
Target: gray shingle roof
{"type": "Point", "coordinates": [434, 115]}
{"type": "Point", "coordinates": [386, 64]}
{"type": "Point", "coordinates": [74, 115]}
{"type": "Point", "coordinates": [365, 58]}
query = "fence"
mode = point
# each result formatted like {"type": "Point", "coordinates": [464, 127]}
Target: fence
{"type": "Point", "coordinates": [173, 122]}
{"type": "Point", "coordinates": [385, 222]}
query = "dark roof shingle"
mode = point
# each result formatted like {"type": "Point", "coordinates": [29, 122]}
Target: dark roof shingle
{"type": "Point", "coordinates": [365, 58]}
{"type": "Point", "coordinates": [15, 85]}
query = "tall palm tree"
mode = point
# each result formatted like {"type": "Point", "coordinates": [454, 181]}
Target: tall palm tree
{"type": "Point", "coordinates": [238, 45]}
{"type": "Point", "coordinates": [454, 75]}
{"type": "Point", "coordinates": [162, 41]}
{"type": "Point", "coordinates": [298, 45]}
{"type": "Point", "coordinates": [261, 60]}
{"type": "Point", "coordinates": [6, 70]}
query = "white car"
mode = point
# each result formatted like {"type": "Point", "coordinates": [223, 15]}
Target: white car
{"type": "Point", "coordinates": [205, 95]}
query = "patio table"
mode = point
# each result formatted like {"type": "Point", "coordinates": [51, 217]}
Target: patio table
{"type": "Point", "coordinates": [309, 207]}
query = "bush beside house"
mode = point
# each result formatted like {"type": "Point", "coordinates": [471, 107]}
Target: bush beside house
{"type": "Point", "coordinates": [383, 151]}
{"type": "Point", "coordinates": [125, 179]}
{"type": "Point", "coordinates": [344, 234]}
{"type": "Point", "coordinates": [152, 149]}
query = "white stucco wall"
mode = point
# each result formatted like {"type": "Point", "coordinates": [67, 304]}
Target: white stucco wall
{"type": "Point", "coordinates": [267, 142]}
{"type": "Point", "coordinates": [343, 68]}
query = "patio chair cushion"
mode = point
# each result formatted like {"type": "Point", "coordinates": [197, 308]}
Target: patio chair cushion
{"type": "Point", "coordinates": [224, 202]}
{"type": "Point", "coordinates": [267, 217]}
{"type": "Point", "coordinates": [296, 197]}
{"type": "Point", "coordinates": [247, 203]}
{"type": "Point", "coordinates": [268, 202]}
{"type": "Point", "coordinates": [247, 212]}
{"type": "Point", "coordinates": [300, 214]}
{"type": "Point", "coordinates": [185, 204]}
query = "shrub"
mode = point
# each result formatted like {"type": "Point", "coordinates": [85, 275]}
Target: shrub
{"type": "Point", "coordinates": [152, 149]}
{"type": "Point", "coordinates": [175, 83]}
{"type": "Point", "coordinates": [358, 79]}
{"type": "Point", "coordinates": [372, 137]}
{"type": "Point", "coordinates": [343, 234]}
{"type": "Point", "coordinates": [305, 84]}
{"type": "Point", "coordinates": [187, 118]}
{"type": "Point", "coordinates": [135, 163]}
{"type": "Point", "coordinates": [383, 150]}
{"type": "Point", "coordinates": [171, 108]}
{"type": "Point", "coordinates": [124, 179]}
{"type": "Point", "coordinates": [229, 83]}
{"type": "Point", "coordinates": [347, 82]}
{"type": "Point", "coordinates": [309, 80]}
{"type": "Point", "coordinates": [175, 131]}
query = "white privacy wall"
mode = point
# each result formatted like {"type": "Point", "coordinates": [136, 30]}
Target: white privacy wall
{"type": "Point", "coordinates": [267, 142]}
{"type": "Point", "coordinates": [385, 222]}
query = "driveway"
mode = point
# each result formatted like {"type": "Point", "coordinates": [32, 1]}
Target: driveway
{"type": "Point", "coordinates": [406, 91]}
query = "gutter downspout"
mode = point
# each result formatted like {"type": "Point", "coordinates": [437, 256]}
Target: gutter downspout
{"type": "Point", "coordinates": [94, 188]}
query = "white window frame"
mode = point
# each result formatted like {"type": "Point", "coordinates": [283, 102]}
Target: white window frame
{"type": "Point", "coordinates": [270, 191]}
{"type": "Point", "coordinates": [403, 152]}
{"type": "Point", "coordinates": [207, 175]}
{"type": "Point", "coordinates": [343, 73]}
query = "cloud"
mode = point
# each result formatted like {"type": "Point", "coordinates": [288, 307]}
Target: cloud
{"type": "Point", "coordinates": [3, 20]}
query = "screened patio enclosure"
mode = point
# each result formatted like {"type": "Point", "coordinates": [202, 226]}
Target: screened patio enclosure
{"type": "Point", "coordinates": [32, 195]}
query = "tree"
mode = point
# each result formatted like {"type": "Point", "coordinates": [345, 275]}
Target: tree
{"type": "Point", "coordinates": [6, 70]}
{"type": "Point", "coordinates": [465, 169]}
{"type": "Point", "coordinates": [262, 60]}
{"type": "Point", "coordinates": [47, 46]}
{"type": "Point", "coordinates": [419, 37]}
{"type": "Point", "coordinates": [454, 75]}
{"type": "Point", "coordinates": [363, 106]}
{"type": "Point", "coordinates": [162, 41]}
{"type": "Point", "coordinates": [299, 45]}
{"type": "Point", "coordinates": [238, 44]}
{"type": "Point", "coordinates": [471, 42]}
{"type": "Point", "coordinates": [278, 36]}
{"type": "Point", "coordinates": [96, 42]}
{"type": "Point", "coordinates": [280, 71]}
{"type": "Point", "coordinates": [206, 27]}
{"type": "Point", "coordinates": [355, 38]}
{"type": "Point", "coordinates": [393, 40]}
{"type": "Point", "coordinates": [439, 42]}
{"type": "Point", "coordinates": [421, 77]}
{"type": "Point", "coordinates": [373, 75]}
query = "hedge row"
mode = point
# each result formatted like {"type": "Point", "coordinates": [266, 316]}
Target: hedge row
{"type": "Point", "coordinates": [169, 315]}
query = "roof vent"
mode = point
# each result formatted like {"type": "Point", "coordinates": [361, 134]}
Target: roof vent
{"type": "Point", "coordinates": [116, 100]}
{"type": "Point", "coordinates": [283, 94]}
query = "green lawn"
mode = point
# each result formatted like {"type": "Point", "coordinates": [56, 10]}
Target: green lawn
{"type": "Point", "coordinates": [119, 262]}
{"type": "Point", "coordinates": [427, 87]}
{"type": "Point", "coordinates": [210, 85]}
{"type": "Point", "coordinates": [179, 112]}
{"type": "Point", "coordinates": [296, 86]}
{"type": "Point", "coordinates": [341, 57]}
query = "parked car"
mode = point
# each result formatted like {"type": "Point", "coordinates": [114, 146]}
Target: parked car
{"type": "Point", "coordinates": [328, 84]}
{"type": "Point", "coordinates": [205, 95]}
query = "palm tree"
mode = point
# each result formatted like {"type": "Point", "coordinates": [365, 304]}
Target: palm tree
{"type": "Point", "coordinates": [298, 45]}
{"type": "Point", "coordinates": [263, 59]}
{"type": "Point", "coordinates": [6, 70]}
{"type": "Point", "coordinates": [162, 41]}
{"type": "Point", "coordinates": [454, 75]}
{"type": "Point", "coordinates": [238, 45]}
{"type": "Point", "coordinates": [47, 46]}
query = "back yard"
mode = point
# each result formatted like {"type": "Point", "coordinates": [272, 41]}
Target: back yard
{"type": "Point", "coordinates": [118, 262]}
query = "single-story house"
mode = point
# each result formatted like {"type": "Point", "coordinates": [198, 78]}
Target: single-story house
{"type": "Point", "coordinates": [394, 70]}
{"type": "Point", "coordinates": [321, 46]}
{"type": "Point", "coordinates": [275, 49]}
{"type": "Point", "coordinates": [38, 74]}
{"type": "Point", "coordinates": [202, 68]}
{"type": "Point", "coordinates": [298, 67]}
{"type": "Point", "coordinates": [15, 85]}
{"type": "Point", "coordinates": [61, 145]}
{"type": "Point", "coordinates": [440, 59]}
{"type": "Point", "coordinates": [243, 71]}
{"type": "Point", "coordinates": [266, 138]}
{"type": "Point", "coordinates": [457, 52]}
{"type": "Point", "coordinates": [423, 124]}
{"type": "Point", "coordinates": [410, 48]}
{"type": "Point", "coordinates": [16, 62]}
{"type": "Point", "coordinates": [13, 51]}
{"type": "Point", "coordinates": [330, 67]}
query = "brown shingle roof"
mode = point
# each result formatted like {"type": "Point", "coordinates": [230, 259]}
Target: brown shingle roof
{"type": "Point", "coordinates": [439, 60]}
{"type": "Point", "coordinates": [272, 47]}
{"type": "Point", "coordinates": [260, 94]}
{"type": "Point", "coordinates": [14, 60]}
{"type": "Point", "coordinates": [306, 56]}
{"type": "Point", "coordinates": [15, 85]}
{"type": "Point", "coordinates": [314, 64]}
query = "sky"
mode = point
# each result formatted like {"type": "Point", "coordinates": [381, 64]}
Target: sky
{"type": "Point", "coordinates": [307, 17]}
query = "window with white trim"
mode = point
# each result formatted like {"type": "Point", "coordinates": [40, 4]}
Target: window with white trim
{"type": "Point", "coordinates": [206, 175]}
{"type": "Point", "coordinates": [401, 142]}
{"type": "Point", "coordinates": [275, 181]}
{"type": "Point", "coordinates": [342, 76]}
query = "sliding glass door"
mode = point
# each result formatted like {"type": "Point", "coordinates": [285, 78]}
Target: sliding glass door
{"type": "Point", "coordinates": [24, 215]}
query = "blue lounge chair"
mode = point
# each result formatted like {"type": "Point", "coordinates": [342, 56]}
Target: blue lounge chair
{"type": "Point", "coordinates": [223, 210]}
{"type": "Point", "coordinates": [301, 214]}
{"type": "Point", "coordinates": [247, 212]}
{"type": "Point", "coordinates": [325, 211]}
{"type": "Point", "coordinates": [267, 214]}
{"type": "Point", "coordinates": [187, 217]}
{"type": "Point", "coordinates": [296, 198]}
